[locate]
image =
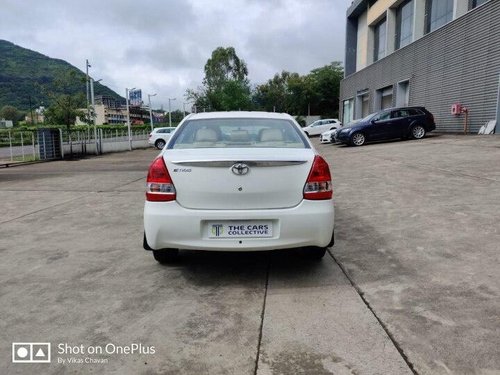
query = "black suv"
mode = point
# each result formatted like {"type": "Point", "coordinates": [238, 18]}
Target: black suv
{"type": "Point", "coordinates": [404, 122]}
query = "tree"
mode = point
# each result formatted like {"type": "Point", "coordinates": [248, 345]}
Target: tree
{"type": "Point", "coordinates": [225, 86]}
{"type": "Point", "coordinates": [64, 110]}
{"type": "Point", "coordinates": [65, 107]}
{"type": "Point", "coordinates": [272, 96]}
{"type": "Point", "coordinates": [326, 85]}
{"type": "Point", "coordinates": [315, 93]}
{"type": "Point", "coordinates": [9, 112]}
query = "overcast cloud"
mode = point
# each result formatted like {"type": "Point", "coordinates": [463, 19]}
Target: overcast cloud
{"type": "Point", "coordinates": [161, 46]}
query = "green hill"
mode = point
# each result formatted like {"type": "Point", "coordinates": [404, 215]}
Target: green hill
{"type": "Point", "coordinates": [26, 74]}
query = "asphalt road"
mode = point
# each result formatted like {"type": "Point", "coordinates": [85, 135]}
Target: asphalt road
{"type": "Point", "coordinates": [411, 286]}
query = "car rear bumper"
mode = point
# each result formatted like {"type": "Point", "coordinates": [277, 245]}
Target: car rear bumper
{"type": "Point", "coordinates": [169, 225]}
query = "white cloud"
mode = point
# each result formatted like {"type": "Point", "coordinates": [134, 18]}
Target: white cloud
{"type": "Point", "coordinates": [162, 46]}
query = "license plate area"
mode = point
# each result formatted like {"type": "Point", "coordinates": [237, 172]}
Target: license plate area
{"type": "Point", "coordinates": [240, 229]}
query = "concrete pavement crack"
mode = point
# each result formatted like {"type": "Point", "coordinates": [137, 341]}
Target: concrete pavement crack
{"type": "Point", "coordinates": [379, 320]}
{"type": "Point", "coordinates": [262, 318]}
{"type": "Point", "coordinates": [40, 210]}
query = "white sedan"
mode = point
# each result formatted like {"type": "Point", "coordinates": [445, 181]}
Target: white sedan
{"type": "Point", "coordinates": [159, 137]}
{"type": "Point", "coordinates": [320, 126]}
{"type": "Point", "coordinates": [238, 181]}
{"type": "Point", "coordinates": [327, 137]}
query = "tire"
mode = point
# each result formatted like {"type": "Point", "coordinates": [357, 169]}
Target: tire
{"type": "Point", "coordinates": [145, 244]}
{"type": "Point", "coordinates": [159, 144]}
{"type": "Point", "coordinates": [358, 139]}
{"type": "Point", "coordinates": [314, 252]}
{"type": "Point", "coordinates": [417, 132]}
{"type": "Point", "coordinates": [164, 256]}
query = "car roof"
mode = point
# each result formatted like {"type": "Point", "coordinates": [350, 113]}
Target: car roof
{"type": "Point", "coordinates": [238, 114]}
{"type": "Point", "coordinates": [326, 119]}
{"type": "Point", "coordinates": [407, 107]}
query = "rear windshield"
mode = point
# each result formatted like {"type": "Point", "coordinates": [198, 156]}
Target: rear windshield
{"type": "Point", "coordinates": [238, 133]}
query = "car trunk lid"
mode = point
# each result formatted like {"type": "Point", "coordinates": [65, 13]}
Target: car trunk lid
{"type": "Point", "coordinates": [239, 178]}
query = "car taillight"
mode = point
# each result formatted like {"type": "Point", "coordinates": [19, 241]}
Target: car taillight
{"type": "Point", "coordinates": [319, 183]}
{"type": "Point", "coordinates": [159, 185]}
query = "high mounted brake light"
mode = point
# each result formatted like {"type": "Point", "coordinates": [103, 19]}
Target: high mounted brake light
{"type": "Point", "coordinates": [159, 185]}
{"type": "Point", "coordinates": [319, 182]}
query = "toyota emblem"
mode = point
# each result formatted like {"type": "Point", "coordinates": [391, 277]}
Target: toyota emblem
{"type": "Point", "coordinates": [240, 169]}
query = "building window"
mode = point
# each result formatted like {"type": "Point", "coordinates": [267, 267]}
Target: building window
{"type": "Point", "coordinates": [362, 105]}
{"type": "Point", "coordinates": [476, 3]}
{"type": "Point", "coordinates": [439, 13]}
{"type": "Point", "coordinates": [404, 24]}
{"type": "Point", "coordinates": [348, 112]}
{"type": "Point", "coordinates": [383, 98]}
{"type": "Point", "coordinates": [403, 94]}
{"type": "Point", "coordinates": [380, 33]}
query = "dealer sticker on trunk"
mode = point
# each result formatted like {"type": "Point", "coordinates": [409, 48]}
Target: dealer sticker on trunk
{"type": "Point", "coordinates": [253, 229]}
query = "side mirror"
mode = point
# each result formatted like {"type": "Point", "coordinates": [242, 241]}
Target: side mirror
{"type": "Point", "coordinates": [373, 122]}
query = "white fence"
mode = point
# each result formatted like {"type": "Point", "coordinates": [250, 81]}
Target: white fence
{"type": "Point", "coordinates": [26, 146]}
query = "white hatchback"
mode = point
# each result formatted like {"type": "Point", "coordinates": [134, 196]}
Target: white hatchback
{"type": "Point", "coordinates": [320, 126]}
{"type": "Point", "coordinates": [159, 137]}
{"type": "Point", "coordinates": [238, 181]}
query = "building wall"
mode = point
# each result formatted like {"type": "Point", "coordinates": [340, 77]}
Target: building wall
{"type": "Point", "coordinates": [457, 63]}
{"type": "Point", "coordinates": [362, 42]}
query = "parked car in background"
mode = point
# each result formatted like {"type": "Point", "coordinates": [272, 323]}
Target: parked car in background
{"type": "Point", "coordinates": [320, 126]}
{"type": "Point", "coordinates": [329, 135]}
{"type": "Point", "coordinates": [404, 122]}
{"type": "Point", "coordinates": [238, 181]}
{"type": "Point", "coordinates": [159, 136]}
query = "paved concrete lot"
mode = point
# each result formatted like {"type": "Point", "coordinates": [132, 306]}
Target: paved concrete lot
{"type": "Point", "coordinates": [411, 286]}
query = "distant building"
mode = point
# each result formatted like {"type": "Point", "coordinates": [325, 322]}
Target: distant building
{"type": "Point", "coordinates": [36, 117]}
{"type": "Point", "coordinates": [433, 53]}
{"type": "Point", "coordinates": [109, 110]}
{"type": "Point", "coordinates": [6, 123]}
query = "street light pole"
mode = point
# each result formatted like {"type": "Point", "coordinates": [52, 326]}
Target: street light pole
{"type": "Point", "coordinates": [184, 107]}
{"type": "Point", "coordinates": [170, 112]}
{"type": "Point", "coordinates": [94, 119]}
{"type": "Point", "coordinates": [87, 66]}
{"type": "Point", "coordinates": [128, 119]}
{"type": "Point", "coordinates": [150, 111]}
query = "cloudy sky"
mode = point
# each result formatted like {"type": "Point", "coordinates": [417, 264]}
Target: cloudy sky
{"type": "Point", "coordinates": [161, 46]}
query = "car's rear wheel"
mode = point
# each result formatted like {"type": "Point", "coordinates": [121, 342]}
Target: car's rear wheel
{"type": "Point", "coordinates": [145, 244]}
{"type": "Point", "coordinates": [314, 252]}
{"type": "Point", "coordinates": [160, 143]}
{"type": "Point", "coordinates": [166, 255]}
{"type": "Point", "coordinates": [358, 139]}
{"type": "Point", "coordinates": [417, 132]}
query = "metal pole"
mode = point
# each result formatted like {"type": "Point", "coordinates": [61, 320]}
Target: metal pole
{"type": "Point", "coordinates": [33, 142]}
{"type": "Point", "coordinates": [10, 143]}
{"type": "Point", "coordinates": [496, 130]}
{"type": "Point", "coordinates": [128, 121]}
{"type": "Point", "coordinates": [87, 66]}
{"type": "Point", "coordinates": [150, 111]}
{"type": "Point", "coordinates": [61, 143]}
{"type": "Point", "coordinates": [94, 120]}
{"type": "Point", "coordinates": [22, 145]}
{"type": "Point", "coordinates": [170, 112]}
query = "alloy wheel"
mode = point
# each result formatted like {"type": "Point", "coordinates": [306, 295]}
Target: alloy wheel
{"type": "Point", "coordinates": [418, 132]}
{"type": "Point", "coordinates": [358, 139]}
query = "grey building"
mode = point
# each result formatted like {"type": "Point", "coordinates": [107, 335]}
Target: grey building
{"type": "Point", "coordinates": [433, 53]}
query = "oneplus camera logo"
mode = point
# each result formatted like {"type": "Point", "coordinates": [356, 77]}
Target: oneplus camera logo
{"type": "Point", "coordinates": [31, 352]}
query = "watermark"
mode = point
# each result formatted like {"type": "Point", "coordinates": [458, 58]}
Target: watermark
{"type": "Point", "coordinates": [68, 354]}
{"type": "Point", "coordinates": [31, 352]}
